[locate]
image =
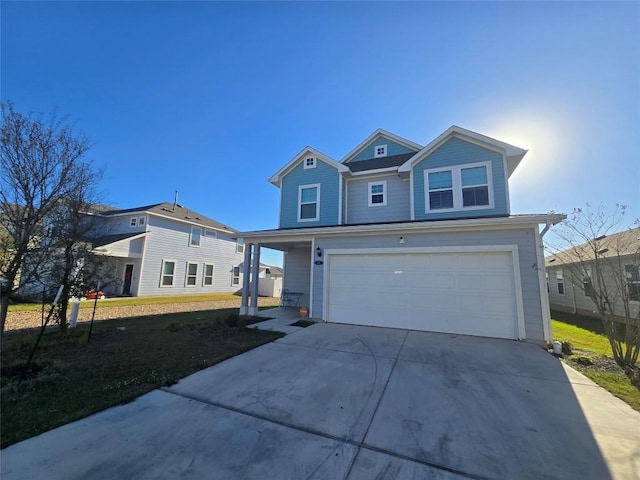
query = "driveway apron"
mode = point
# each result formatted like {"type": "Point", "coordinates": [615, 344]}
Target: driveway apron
{"type": "Point", "coordinates": [351, 402]}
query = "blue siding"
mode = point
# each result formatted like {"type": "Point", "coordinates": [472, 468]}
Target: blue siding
{"type": "Point", "coordinates": [393, 148]}
{"type": "Point", "coordinates": [397, 208]}
{"type": "Point", "coordinates": [458, 152]}
{"type": "Point", "coordinates": [328, 178]}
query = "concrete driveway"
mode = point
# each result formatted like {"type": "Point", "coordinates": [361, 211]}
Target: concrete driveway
{"type": "Point", "coordinates": [350, 402]}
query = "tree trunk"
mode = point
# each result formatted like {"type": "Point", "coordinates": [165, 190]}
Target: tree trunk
{"type": "Point", "coordinates": [4, 308]}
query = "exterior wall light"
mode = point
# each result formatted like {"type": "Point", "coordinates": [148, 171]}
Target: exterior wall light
{"type": "Point", "coordinates": [318, 251]}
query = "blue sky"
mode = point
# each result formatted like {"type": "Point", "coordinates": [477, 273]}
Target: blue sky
{"type": "Point", "coordinates": [211, 98]}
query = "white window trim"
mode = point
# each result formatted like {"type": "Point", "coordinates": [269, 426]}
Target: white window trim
{"type": "Point", "coordinates": [204, 273]}
{"type": "Point", "coordinates": [162, 275]}
{"type": "Point", "coordinates": [142, 221]}
{"type": "Point", "coordinates": [456, 186]}
{"type": "Point", "coordinates": [191, 244]}
{"type": "Point", "coordinates": [317, 202]}
{"type": "Point", "coordinates": [187, 276]}
{"type": "Point", "coordinates": [313, 165]}
{"type": "Point", "coordinates": [240, 245]}
{"type": "Point", "coordinates": [379, 155]}
{"type": "Point", "coordinates": [560, 280]}
{"type": "Point", "coordinates": [133, 222]}
{"type": "Point", "coordinates": [234, 276]}
{"type": "Point", "coordinates": [384, 194]}
{"type": "Point", "coordinates": [210, 233]}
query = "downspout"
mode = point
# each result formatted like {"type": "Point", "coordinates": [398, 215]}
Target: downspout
{"type": "Point", "coordinates": [545, 229]}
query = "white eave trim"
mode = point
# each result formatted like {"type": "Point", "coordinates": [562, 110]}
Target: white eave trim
{"type": "Point", "coordinates": [192, 222]}
{"type": "Point", "coordinates": [105, 249]}
{"type": "Point", "coordinates": [465, 224]}
{"type": "Point", "coordinates": [512, 153]}
{"type": "Point", "coordinates": [380, 132]}
{"type": "Point", "coordinates": [276, 178]}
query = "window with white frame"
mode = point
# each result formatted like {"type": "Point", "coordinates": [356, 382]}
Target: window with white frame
{"type": "Point", "coordinates": [142, 221]}
{"type": "Point", "coordinates": [378, 194]}
{"type": "Point", "coordinates": [240, 245]}
{"type": "Point", "coordinates": [560, 282]}
{"type": "Point", "coordinates": [133, 222]}
{"type": "Point", "coordinates": [309, 162]}
{"type": "Point", "coordinates": [210, 233]}
{"type": "Point", "coordinates": [379, 151]}
{"type": "Point", "coordinates": [309, 202]}
{"type": "Point", "coordinates": [587, 283]}
{"type": "Point", "coordinates": [192, 275]}
{"type": "Point", "coordinates": [196, 235]}
{"type": "Point", "coordinates": [168, 272]}
{"type": "Point", "coordinates": [207, 275]}
{"type": "Point", "coordinates": [235, 276]}
{"type": "Point", "coordinates": [632, 273]}
{"type": "Point", "coordinates": [461, 188]}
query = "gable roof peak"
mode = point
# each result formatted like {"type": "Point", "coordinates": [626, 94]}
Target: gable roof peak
{"type": "Point", "coordinates": [276, 178]}
{"type": "Point", "coordinates": [384, 133]}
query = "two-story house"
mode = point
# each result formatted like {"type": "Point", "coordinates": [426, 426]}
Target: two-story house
{"type": "Point", "coordinates": [397, 234]}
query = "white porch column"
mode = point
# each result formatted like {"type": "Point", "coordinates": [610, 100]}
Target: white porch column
{"type": "Point", "coordinates": [255, 270]}
{"type": "Point", "coordinates": [244, 305]}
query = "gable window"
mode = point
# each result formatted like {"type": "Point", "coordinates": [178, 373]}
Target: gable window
{"type": "Point", "coordinates": [196, 234]}
{"type": "Point", "coordinates": [309, 202]}
{"type": "Point", "coordinates": [560, 282]}
{"type": "Point", "coordinates": [377, 194]}
{"type": "Point", "coordinates": [168, 272]}
{"type": "Point", "coordinates": [310, 162]}
{"type": "Point", "coordinates": [207, 276]}
{"type": "Point", "coordinates": [379, 151]}
{"type": "Point", "coordinates": [632, 273]}
{"type": "Point", "coordinates": [235, 276]}
{"type": "Point", "coordinates": [587, 284]}
{"type": "Point", "coordinates": [133, 222]}
{"type": "Point", "coordinates": [240, 245]}
{"type": "Point", "coordinates": [192, 274]}
{"type": "Point", "coordinates": [142, 221]}
{"type": "Point", "coordinates": [465, 187]}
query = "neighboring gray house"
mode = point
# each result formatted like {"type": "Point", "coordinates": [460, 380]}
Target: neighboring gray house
{"type": "Point", "coordinates": [397, 234]}
{"type": "Point", "coordinates": [167, 249]}
{"type": "Point", "coordinates": [571, 274]}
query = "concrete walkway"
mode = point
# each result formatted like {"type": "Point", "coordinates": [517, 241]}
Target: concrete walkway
{"type": "Point", "coordinates": [280, 319]}
{"type": "Point", "coordinates": [349, 402]}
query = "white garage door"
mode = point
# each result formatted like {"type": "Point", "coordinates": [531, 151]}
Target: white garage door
{"type": "Point", "coordinates": [466, 293]}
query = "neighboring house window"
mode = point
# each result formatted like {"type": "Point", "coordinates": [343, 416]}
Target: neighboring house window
{"type": "Point", "coordinates": [459, 188]}
{"type": "Point", "coordinates": [377, 194]}
{"type": "Point", "coordinates": [133, 222]}
{"type": "Point", "coordinates": [207, 277]}
{"type": "Point", "coordinates": [235, 276]}
{"type": "Point", "coordinates": [379, 151]}
{"type": "Point", "coordinates": [309, 202]}
{"type": "Point", "coordinates": [168, 272]}
{"type": "Point", "coordinates": [142, 221]}
{"type": "Point", "coordinates": [633, 281]}
{"type": "Point", "coordinates": [587, 283]}
{"type": "Point", "coordinates": [310, 163]}
{"type": "Point", "coordinates": [240, 245]}
{"type": "Point", "coordinates": [210, 234]}
{"type": "Point", "coordinates": [196, 233]}
{"type": "Point", "coordinates": [560, 281]}
{"type": "Point", "coordinates": [546, 274]}
{"type": "Point", "coordinates": [192, 274]}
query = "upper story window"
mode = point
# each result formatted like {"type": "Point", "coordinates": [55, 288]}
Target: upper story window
{"type": "Point", "coordinates": [210, 233]}
{"type": "Point", "coordinates": [587, 284]}
{"type": "Point", "coordinates": [309, 162]}
{"type": "Point", "coordinates": [142, 221]}
{"type": "Point", "coordinates": [240, 245]}
{"type": "Point", "coordinates": [196, 235]}
{"type": "Point", "coordinates": [458, 188]}
{"type": "Point", "coordinates": [309, 202]}
{"type": "Point", "coordinates": [632, 273]}
{"type": "Point", "coordinates": [377, 194]}
{"type": "Point", "coordinates": [379, 151]}
{"type": "Point", "coordinates": [133, 221]}
{"type": "Point", "coordinates": [560, 281]}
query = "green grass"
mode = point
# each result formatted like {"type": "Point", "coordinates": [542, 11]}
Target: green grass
{"type": "Point", "coordinates": [133, 301]}
{"type": "Point", "coordinates": [582, 333]}
{"type": "Point", "coordinates": [71, 378]}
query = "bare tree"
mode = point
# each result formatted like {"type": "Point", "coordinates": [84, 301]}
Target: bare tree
{"type": "Point", "coordinates": [41, 170]}
{"type": "Point", "coordinates": [603, 260]}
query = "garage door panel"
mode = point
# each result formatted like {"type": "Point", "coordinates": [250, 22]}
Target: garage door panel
{"type": "Point", "coordinates": [464, 293]}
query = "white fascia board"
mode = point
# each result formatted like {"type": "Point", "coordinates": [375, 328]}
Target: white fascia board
{"type": "Point", "coordinates": [513, 154]}
{"type": "Point", "coordinates": [276, 178]}
{"type": "Point", "coordinates": [304, 234]}
{"type": "Point", "coordinates": [377, 171]}
{"type": "Point", "coordinates": [383, 133]}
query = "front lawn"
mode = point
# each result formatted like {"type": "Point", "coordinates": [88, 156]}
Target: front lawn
{"type": "Point", "coordinates": [70, 378]}
{"type": "Point", "coordinates": [592, 355]}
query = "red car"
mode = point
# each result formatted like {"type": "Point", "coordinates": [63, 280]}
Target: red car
{"type": "Point", "coordinates": [92, 295]}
